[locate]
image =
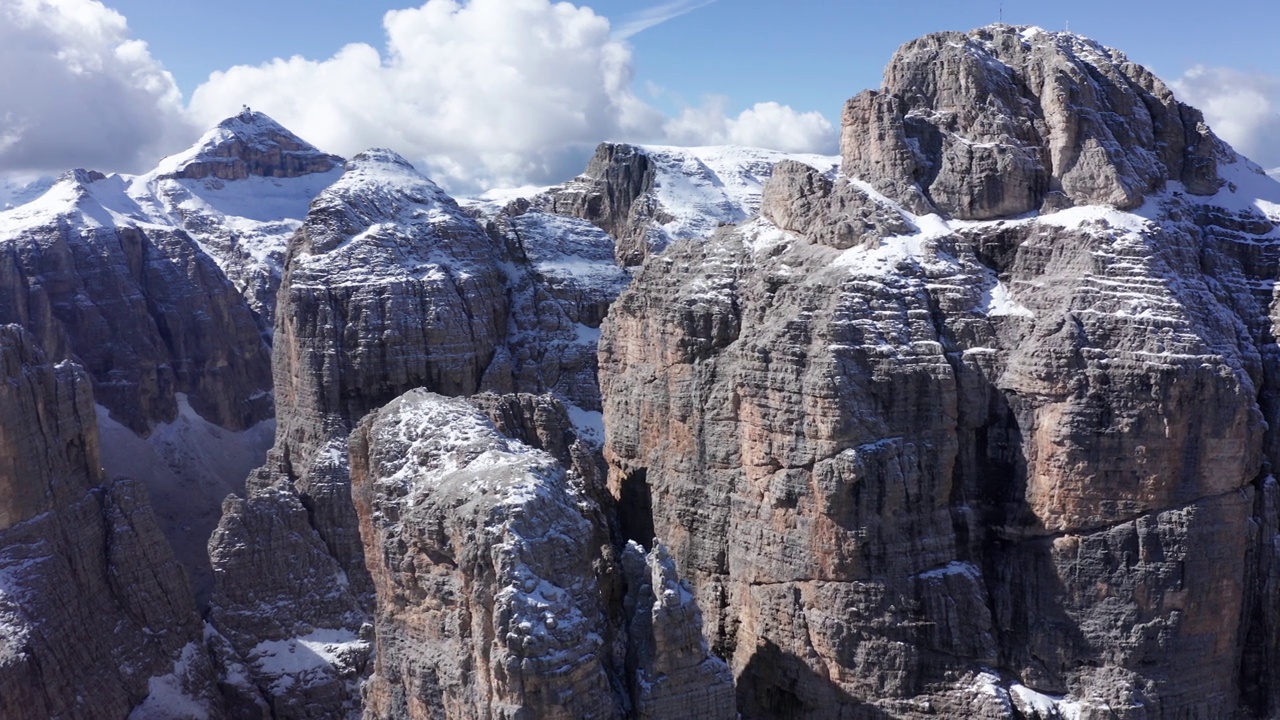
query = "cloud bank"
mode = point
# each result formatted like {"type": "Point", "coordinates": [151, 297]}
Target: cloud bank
{"type": "Point", "coordinates": [479, 94]}
{"type": "Point", "coordinates": [77, 91]}
{"type": "Point", "coordinates": [1242, 108]}
{"type": "Point", "coordinates": [489, 93]}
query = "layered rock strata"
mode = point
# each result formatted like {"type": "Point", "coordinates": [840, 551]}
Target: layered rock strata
{"type": "Point", "coordinates": [141, 307]}
{"type": "Point", "coordinates": [96, 617]}
{"type": "Point", "coordinates": [499, 590]}
{"type": "Point", "coordinates": [914, 466]}
{"type": "Point", "coordinates": [1002, 121]}
{"type": "Point", "coordinates": [390, 286]}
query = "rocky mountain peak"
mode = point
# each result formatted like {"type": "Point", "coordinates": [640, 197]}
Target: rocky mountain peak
{"type": "Point", "coordinates": [1007, 119]}
{"type": "Point", "coordinates": [248, 144]}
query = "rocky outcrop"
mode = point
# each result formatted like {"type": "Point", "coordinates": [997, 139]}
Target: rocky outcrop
{"type": "Point", "coordinates": [671, 672]}
{"type": "Point", "coordinates": [486, 559]}
{"type": "Point", "coordinates": [646, 197]}
{"type": "Point", "coordinates": [1004, 120]}
{"type": "Point", "coordinates": [498, 585]}
{"type": "Point", "coordinates": [614, 193]}
{"type": "Point", "coordinates": [286, 610]}
{"type": "Point", "coordinates": [96, 617]}
{"type": "Point", "coordinates": [390, 286]}
{"type": "Point", "coordinates": [994, 469]}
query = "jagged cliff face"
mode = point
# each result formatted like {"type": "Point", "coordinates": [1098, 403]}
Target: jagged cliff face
{"type": "Point", "coordinates": [80, 554]}
{"type": "Point", "coordinates": [389, 286]}
{"type": "Point", "coordinates": [1002, 121]}
{"type": "Point", "coordinates": [500, 592]}
{"type": "Point", "coordinates": [914, 464]}
{"type": "Point", "coordinates": [983, 428]}
{"type": "Point", "coordinates": [140, 306]}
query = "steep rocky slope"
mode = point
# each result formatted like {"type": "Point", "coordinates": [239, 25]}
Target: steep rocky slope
{"type": "Point", "coordinates": [499, 589]}
{"type": "Point", "coordinates": [162, 286]}
{"type": "Point", "coordinates": [921, 453]}
{"type": "Point", "coordinates": [390, 286]}
{"type": "Point", "coordinates": [96, 617]}
{"type": "Point", "coordinates": [982, 427]}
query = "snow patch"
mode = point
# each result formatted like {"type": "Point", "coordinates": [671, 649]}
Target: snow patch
{"type": "Point", "coordinates": [998, 302]}
{"type": "Point", "coordinates": [702, 188]}
{"type": "Point", "coordinates": [1044, 706]}
{"type": "Point", "coordinates": [189, 466]}
{"type": "Point", "coordinates": [964, 569]}
{"type": "Point", "coordinates": [168, 697]}
{"type": "Point", "coordinates": [589, 424]}
{"type": "Point", "coordinates": [306, 659]}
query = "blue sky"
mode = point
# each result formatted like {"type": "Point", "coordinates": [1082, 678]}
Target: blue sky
{"type": "Point", "coordinates": [500, 92]}
{"type": "Point", "coordinates": [810, 55]}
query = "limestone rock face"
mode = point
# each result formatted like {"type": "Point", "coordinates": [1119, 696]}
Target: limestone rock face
{"type": "Point", "coordinates": [671, 671]}
{"type": "Point", "coordinates": [286, 609]}
{"type": "Point", "coordinates": [140, 307]}
{"type": "Point", "coordinates": [1004, 120]}
{"type": "Point", "coordinates": [485, 555]}
{"type": "Point", "coordinates": [499, 595]}
{"type": "Point", "coordinates": [913, 467]}
{"type": "Point", "coordinates": [615, 194]}
{"type": "Point", "coordinates": [389, 286]}
{"type": "Point", "coordinates": [96, 617]}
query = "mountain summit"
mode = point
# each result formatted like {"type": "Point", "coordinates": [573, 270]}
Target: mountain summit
{"type": "Point", "coordinates": [1007, 119]}
{"type": "Point", "coordinates": [248, 144]}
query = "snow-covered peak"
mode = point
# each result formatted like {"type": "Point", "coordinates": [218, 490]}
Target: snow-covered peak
{"type": "Point", "coordinates": [19, 190]}
{"type": "Point", "coordinates": [84, 197]}
{"type": "Point", "coordinates": [382, 183]}
{"type": "Point", "coordinates": [250, 143]}
{"type": "Point", "coordinates": [383, 218]}
{"type": "Point", "coordinates": [239, 193]}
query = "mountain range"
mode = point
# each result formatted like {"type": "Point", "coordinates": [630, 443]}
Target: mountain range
{"type": "Point", "coordinates": [976, 419]}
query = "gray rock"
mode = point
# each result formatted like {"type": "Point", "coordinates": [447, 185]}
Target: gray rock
{"type": "Point", "coordinates": [96, 616]}
{"type": "Point", "coordinates": [1004, 119]}
{"type": "Point", "coordinates": [915, 468]}
{"type": "Point", "coordinates": [485, 555]}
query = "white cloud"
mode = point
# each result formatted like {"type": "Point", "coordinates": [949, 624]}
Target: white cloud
{"type": "Point", "coordinates": [478, 93]}
{"type": "Point", "coordinates": [768, 124]}
{"type": "Point", "coordinates": [77, 91]}
{"type": "Point", "coordinates": [486, 93]}
{"type": "Point", "coordinates": [656, 15]}
{"type": "Point", "coordinates": [1242, 108]}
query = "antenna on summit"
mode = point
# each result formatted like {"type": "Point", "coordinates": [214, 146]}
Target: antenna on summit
{"type": "Point", "coordinates": [1002, 13]}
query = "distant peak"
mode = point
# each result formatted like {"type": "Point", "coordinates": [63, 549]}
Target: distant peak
{"type": "Point", "coordinates": [249, 143]}
{"type": "Point", "coordinates": [383, 155]}
{"type": "Point", "coordinates": [253, 125]}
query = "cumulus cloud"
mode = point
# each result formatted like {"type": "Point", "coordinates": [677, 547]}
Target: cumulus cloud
{"type": "Point", "coordinates": [766, 124]}
{"type": "Point", "coordinates": [488, 93]}
{"type": "Point", "coordinates": [1242, 108]}
{"type": "Point", "coordinates": [77, 91]}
